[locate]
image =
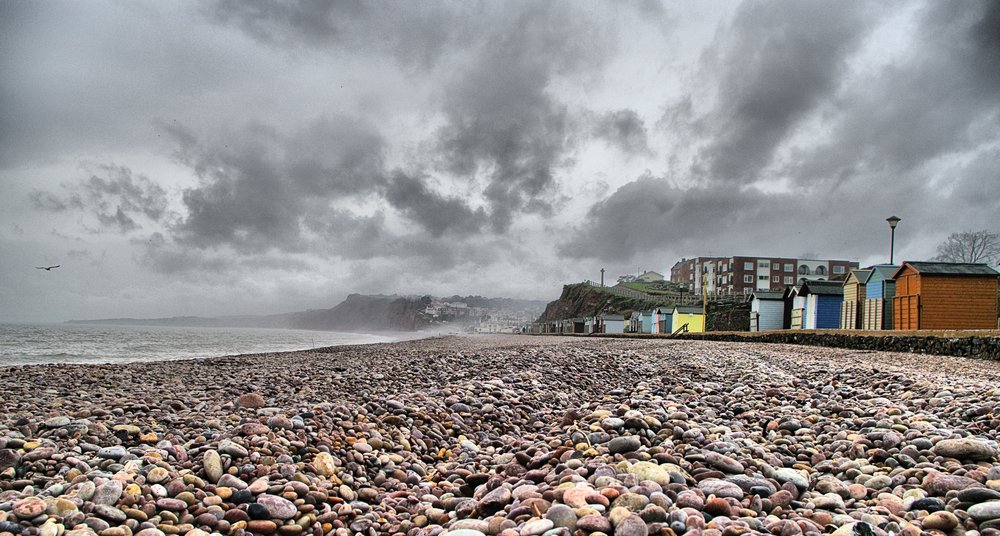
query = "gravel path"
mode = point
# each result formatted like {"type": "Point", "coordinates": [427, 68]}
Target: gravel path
{"type": "Point", "coordinates": [506, 435]}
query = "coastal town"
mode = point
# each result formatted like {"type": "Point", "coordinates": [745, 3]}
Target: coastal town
{"type": "Point", "coordinates": [798, 294]}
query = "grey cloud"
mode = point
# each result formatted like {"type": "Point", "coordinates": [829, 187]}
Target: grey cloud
{"type": "Point", "coordinates": [623, 129]}
{"type": "Point", "coordinates": [416, 33]}
{"type": "Point", "coordinates": [437, 213]}
{"type": "Point", "coordinates": [944, 98]}
{"type": "Point", "coordinates": [48, 201]}
{"type": "Point", "coordinates": [500, 119]}
{"type": "Point", "coordinates": [773, 65]}
{"type": "Point", "coordinates": [262, 190]}
{"type": "Point", "coordinates": [652, 218]}
{"type": "Point", "coordinates": [114, 199]}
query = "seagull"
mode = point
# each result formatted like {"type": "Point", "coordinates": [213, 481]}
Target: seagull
{"type": "Point", "coordinates": [47, 268]}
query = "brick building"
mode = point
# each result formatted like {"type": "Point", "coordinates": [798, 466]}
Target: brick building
{"type": "Point", "coordinates": [743, 275]}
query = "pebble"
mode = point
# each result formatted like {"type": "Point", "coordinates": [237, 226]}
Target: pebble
{"type": "Point", "coordinates": [966, 448]}
{"type": "Point", "coordinates": [985, 511]}
{"type": "Point", "coordinates": [943, 521]}
{"type": "Point", "coordinates": [277, 507]}
{"type": "Point", "coordinates": [107, 493]}
{"type": "Point", "coordinates": [507, 436]}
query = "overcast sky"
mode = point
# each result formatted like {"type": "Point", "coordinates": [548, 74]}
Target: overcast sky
{"type": "Point", "coordinates": [242, 157]}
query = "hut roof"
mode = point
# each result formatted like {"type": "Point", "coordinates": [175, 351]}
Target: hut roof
{"type": "Point", "coordinates": [827, 288]}
{"type": "Point", "coordinates": [767, 294]}
{"type": "Point", "coordinates": [949, 268]}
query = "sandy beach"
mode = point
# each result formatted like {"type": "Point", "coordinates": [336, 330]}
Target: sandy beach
{"type": "Point", "coordinates": [506, 435]}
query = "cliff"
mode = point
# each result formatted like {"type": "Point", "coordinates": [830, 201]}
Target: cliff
{"type": "Point", "coordinates": [581, 300]}
{"type": "Point", "coordinates": [367, 313]}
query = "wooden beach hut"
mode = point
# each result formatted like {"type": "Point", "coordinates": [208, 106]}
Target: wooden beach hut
{"type": "Point", "coordinates": [613, 324]}
{"type": "Point", "coordinates": [659, 320]}
{"type": "Point", "coordinates": [945, 295]}
{"type": "Point", "coordinates": [635, 322]}
{"type": "Point", "coordinates": [767, 310]}
{"type": "Point", "coordinates": [879, 291]}
{"type": "Point", "coordinates": [646, 322]}
{"type": "Point", "coordinates": [788, 296]}
{"type": "Point", "coordinates": [687, 314]}
{"type": "Point", "coordinates": [854, 299]}
{"type": "Point", "coordinates": [798, 307]}
{"type": "Point", "coordinates": [822, 301]}
{"type": "Point", "coordinates": [664, 320]}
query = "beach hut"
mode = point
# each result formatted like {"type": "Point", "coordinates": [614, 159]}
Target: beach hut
{"type": "Point", "coordinates": [822, 301]}
{"type": "Point", "coordinates": [635, 322]}
{"type": "Point", "coordinates": [767, 310]}
{"type": "Point", "coordinates": [879, 291]}
{"type": "Point", "coordinates": [690, 315]}
{"type": "Point", "coordinates": [664, 321]}
{"type": "Point", "coordinates": [798, 307]}
{"type": "Point", "coordinates": [578, 325]}
{"type": "Point", "coordinates": [854, 299]}
{"type": "Point", "coordinates": [645, 322]}
{"type": "Point", "coordinates": [945, 295]}
{"type": "Point", "coordinates": [613, 324]}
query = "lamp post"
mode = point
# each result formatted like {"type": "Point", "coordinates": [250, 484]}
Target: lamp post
{"type": "Point", "coordinates": [893, 221]}
{"type": "Point", "coordinates": [602, 277]}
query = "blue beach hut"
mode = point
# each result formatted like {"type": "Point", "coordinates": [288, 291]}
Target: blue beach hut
{"type": "Point", "coordinates": [822, 304]}
{"type": "Point", "coordinates": [881, 288]}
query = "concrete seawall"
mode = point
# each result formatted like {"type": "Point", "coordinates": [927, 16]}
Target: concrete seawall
{"type": "Point", "coordinates": [977, 344]}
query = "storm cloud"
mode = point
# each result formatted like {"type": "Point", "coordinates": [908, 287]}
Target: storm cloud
{"type": "Point", "coordinates": [113, 195]}
{"type": "Point", "coordinates": [260, 156]}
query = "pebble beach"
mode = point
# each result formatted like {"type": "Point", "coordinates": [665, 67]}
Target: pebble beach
{"type": "Point", "coordinates": [509, 436]}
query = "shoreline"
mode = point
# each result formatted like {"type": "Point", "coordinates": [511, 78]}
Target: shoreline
{"type": "Point", "coordinates": [506, 435]}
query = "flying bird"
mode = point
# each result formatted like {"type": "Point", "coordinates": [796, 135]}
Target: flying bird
{"type": "Point", "coordinates": [47, 268]}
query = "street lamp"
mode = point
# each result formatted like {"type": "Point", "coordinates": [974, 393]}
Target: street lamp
{"type": "Point", "coordinates": [893, 221]}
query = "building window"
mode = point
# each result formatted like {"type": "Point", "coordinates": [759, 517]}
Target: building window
{"type": "Point", "coordinates": [748, 279]}
{"type": "Point", "coordinates": [691, 276]}
{"type": "Point", "coordinates": [789, 267]}
{"type": "Point", "coordinates": [838, 269]}
{"type": "Point", "coordinates": [762, 277]}
{"type": "Point", "coordinates": [789, 280]}
{"type": "Point", "coordinates": [803, 270]}
{"type": "Point", "coordinates": [776, 279]}
{"type": "Point", "coordinates": [748, 266]}
{"type": "Point", "coordinates": [821, 270]}
{"type": "Point", "coordinates": [747, 291]}
{"type": "Point", "coordinates": [763, 264]}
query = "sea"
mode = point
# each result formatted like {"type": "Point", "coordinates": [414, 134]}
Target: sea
{"type": "Point", "coordinates": [34, 344]}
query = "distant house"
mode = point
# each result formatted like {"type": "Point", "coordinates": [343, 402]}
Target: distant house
{"type": "Point", "coordinates": [767, 310]}
{"type": "Point", "coordinates": [817, 305]}
{"type": "Point", "coordinates": [852, 306]}
{"type": "Point", "coordinates": [651, 277]}
{"type": "Point", "coordinates": [879, 291]}
{"type": "Point", "coordinates": [945, 295]}
{"type": "Point", "coordinates": [689, 315]}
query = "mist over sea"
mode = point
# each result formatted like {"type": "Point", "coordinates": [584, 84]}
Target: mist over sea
{"type": "Point", "coordinates": [85, 344]}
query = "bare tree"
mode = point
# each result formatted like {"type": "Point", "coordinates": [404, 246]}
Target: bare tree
{"type": "Point", "coordinates": [970, 246]}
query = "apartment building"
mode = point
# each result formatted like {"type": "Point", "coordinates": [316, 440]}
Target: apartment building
{"type": "Point", "coordinates": [743, 275]}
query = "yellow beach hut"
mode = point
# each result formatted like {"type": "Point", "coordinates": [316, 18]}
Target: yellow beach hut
{"type": "Point", "coordinates": [686, 314]}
